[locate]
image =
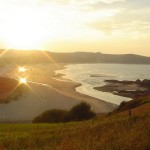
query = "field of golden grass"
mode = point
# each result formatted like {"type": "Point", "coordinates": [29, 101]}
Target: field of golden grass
{"type": "Point", "coordinates": [114, 132]}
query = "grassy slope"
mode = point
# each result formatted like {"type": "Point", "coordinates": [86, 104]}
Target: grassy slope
{"type": "Point", "coordinates": [133, 103]}
{"type": "Point", "coordinates": [116, 132]}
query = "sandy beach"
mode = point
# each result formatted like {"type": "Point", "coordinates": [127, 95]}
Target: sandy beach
{"type": "Point", "coordinates": [47, 91]}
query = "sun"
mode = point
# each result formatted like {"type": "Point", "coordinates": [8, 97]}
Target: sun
{"type": "Point", "coordinates": [21, 69]}
{"type": "Point", "coordinates": [48, 25]}
{"type": "Point", "coordinates": [23, 80]}
{"type": "Point", "coordinates": [24, 30]}
{"type": "Point", "coordinates": [24, 36]}
{"type": "Point", "coordinates": [30, 28]}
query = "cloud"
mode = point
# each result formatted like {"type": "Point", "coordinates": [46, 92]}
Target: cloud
{"type": "Point", "coordinates": [132, 19]}
{"type": "Point", "coordinates": [82, 4]}
{"type": "Point", "coordinates": [82, 1]}
{"type": "Point", "coordinates": [61, 2]}
{"type": "Point", "coordinates": [93, 5]}
{"type": "Point", "coordinates": [122, 30]}
{"type": "Point", "coordinates": [111, 1]}
{"type": "Point", "coordinates": [110, 25]}
{"type": "Point", "coordinates": [111, 18]}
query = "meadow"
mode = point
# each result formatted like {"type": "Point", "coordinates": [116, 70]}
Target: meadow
{"type": "Point", "coordinates": [107, 132]}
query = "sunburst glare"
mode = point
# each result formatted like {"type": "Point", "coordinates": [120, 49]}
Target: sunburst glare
{"type": "Point", "coordinates": [23, 80]}
{"type": "Point", "coordinates": [21, 69]}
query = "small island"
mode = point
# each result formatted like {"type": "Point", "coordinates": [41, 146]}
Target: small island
{"type": "Point", "coordinates": [131, 89]}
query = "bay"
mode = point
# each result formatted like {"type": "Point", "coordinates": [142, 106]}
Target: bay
{"type": "Point", "coordinates": [93, 75]}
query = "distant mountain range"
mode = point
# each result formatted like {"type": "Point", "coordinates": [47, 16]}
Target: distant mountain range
{"type": "Point", "coordinates": [33, 56]}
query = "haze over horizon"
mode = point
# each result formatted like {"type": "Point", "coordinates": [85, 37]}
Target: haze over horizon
{"type": "Point", "coordinates": [107, 26]}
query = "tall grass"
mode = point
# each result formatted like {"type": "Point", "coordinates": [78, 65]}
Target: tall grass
{"type": "Point", "coordinates": [116, 132]}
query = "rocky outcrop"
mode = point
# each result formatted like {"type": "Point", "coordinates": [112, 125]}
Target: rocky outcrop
{"type": "Point", "coordinates": [131, 89]}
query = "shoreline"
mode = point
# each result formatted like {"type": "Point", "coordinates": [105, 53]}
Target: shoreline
{"type": "Point", "coordinates": [60, 78]}
{"type": "Point", "coordinates": [61, 94]}
{"type": "Point", "coordinates": [76, 84]}
{"type": "Point", "coordinates": [91, 92]}
{"type": "Point", "coordinates": [70, 86]}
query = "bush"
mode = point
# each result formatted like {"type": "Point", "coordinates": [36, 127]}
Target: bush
{"type": "Point", "coordinates": [51, 116]}
{"type": "Point", "coordinates": [79, 112]}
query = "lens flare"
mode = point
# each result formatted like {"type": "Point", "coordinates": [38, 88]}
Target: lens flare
{"type": "Point", "coordinates": [21, 69]}
{"type": "Point", "coordinates": [23, 80]}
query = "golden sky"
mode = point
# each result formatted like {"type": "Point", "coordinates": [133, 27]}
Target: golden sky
{"type": "Point", "coordinates": [107, 26]}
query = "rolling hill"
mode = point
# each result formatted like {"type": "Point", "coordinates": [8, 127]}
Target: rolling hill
{"type": "Point", "coordinates": [25, 56]}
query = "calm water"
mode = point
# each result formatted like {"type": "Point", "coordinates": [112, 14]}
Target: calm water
{"type": "Point", "coordinates": [82, 73]}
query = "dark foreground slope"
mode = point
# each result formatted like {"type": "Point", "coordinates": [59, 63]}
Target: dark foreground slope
{"type": "Point", "coordinates": [115, 132]}
{"type": "Point", "coordinates": [14, 56]}
{"type": "Point", "coordinates": [10, 89]}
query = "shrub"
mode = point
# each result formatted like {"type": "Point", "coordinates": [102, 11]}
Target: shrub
{"type": "Point", "coordinates": [51, 116]}
{"type": "Point", "coordinates": [79, 112]}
